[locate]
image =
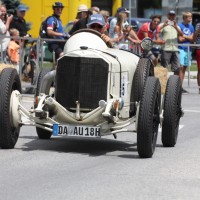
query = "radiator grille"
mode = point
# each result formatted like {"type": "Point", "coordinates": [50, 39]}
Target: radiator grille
{"type": "Point", "coordinates": [81, 79]}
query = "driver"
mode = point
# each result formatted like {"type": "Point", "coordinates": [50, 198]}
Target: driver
{"type": "Point", "coordinates": [97, 23]}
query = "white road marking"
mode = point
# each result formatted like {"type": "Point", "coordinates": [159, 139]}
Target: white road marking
{"type": "Point", "coordinates": [193, 111]}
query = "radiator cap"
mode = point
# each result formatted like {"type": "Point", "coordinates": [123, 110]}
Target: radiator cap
{"type": "Point", "coordinates": [83, 47]}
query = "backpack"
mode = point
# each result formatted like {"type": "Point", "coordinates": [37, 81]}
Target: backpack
{"type": "Point", "coordinates": [43, 27]}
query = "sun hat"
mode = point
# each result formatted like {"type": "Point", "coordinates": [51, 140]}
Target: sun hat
{"type": "Point", "coordinates": [82, 8]}
{"type": "Point", "coordinates": [96, 19]}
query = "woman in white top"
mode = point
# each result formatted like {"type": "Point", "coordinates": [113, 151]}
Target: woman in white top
{"type": "Point", "coordinates": [120, 31]}
{"type": "Point", "coordinates": [4, 26]}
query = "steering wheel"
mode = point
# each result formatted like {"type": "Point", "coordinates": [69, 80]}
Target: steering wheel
{"type": "Point", "coordinates": [89, 30]}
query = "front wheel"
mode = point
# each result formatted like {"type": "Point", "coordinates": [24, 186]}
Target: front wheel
{"type": "Point", "coordinates": [172, 111]}
{"type": "Point", "coordinates": [9, 133]}
{"type": "Point", "coordinates": [149, 119]}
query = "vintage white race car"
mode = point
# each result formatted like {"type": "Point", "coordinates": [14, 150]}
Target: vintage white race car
{"type": "Point", "coordinates": [97, 91]}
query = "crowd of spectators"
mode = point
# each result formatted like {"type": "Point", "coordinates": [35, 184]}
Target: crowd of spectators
{"type": "Point", "coordinates": [117, 31]}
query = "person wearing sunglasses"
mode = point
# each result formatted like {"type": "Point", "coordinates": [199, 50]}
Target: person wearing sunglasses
{"type": "Point", "coordinates": [97, 23]}
{"type": "Point", "coordinates": [151, 30]}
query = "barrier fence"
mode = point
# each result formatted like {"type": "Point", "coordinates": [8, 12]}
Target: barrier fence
{"type": "Point", "coordinates": [40, 42]}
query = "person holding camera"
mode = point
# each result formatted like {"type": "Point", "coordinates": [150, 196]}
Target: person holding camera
{"type": "Point", "coordinates": [151, 30]}
{"type": "Point", "coordinates": [119, 32]}
{"type": "Point", "coordinates": [131, 35]}
{"type": "Point", "coordinates": [169, 51]}
{"type": "Point", "coordinates": [4, 26]}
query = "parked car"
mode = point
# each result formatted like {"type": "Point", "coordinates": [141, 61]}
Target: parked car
{"type": "Point", "coordinates": [97, 91]}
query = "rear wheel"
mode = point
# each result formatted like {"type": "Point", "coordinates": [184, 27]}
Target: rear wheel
{"type": "Point", "coordinates": [144, 69]}
{"type": "Point", "coordinates": [172, 111]}
{"type": "Point", "coordinates": [42, 134]}
{"type": "Point", "coordinates": [9, 81]}
{"type": "Point", "coordinates": [148, 119]}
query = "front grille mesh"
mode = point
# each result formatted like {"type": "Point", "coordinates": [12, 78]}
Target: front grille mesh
{"type": "Point", "coordinates": [81, 79]}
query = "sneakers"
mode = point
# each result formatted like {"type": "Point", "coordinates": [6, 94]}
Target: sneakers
{"type": "Point", "coordinates": [184, 91]}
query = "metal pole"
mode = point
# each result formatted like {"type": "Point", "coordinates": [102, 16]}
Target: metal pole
{"type": "Point", "coordinates": [188, 49]}
{"type": "Point", "coordinates": [1, 52]}
{"type": "Point", "coordinates": [130, 12]}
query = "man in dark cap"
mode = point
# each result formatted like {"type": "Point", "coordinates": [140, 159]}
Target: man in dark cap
{"type": "Point", "coordinates": [55, 30]}
{"type": "Point", "coordinates": [97, 23]}
{"type": "Point", "coordinates": [18, 22]}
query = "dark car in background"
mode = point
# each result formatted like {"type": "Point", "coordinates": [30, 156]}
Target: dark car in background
{"type": "Point", "coordinates": [136, 23]}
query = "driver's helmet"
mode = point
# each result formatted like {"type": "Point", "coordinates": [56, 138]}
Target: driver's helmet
{"type": "Point", "coordinates": [57, 5]}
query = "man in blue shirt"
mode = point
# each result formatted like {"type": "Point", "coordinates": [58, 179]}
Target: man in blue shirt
{"type": "Point", "coordinates": [55, 30]}
{"type": "Point", "coordinates": [187, 38]}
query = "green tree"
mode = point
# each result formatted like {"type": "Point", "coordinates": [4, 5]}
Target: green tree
{"type": "Point", "coordinates": [11, 6]}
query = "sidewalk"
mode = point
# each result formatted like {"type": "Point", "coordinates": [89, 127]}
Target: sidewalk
{"type": "Point", "coordinates": [193, 74]}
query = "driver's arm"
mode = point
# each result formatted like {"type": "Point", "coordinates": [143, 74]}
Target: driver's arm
{"type": "Point", "coordinates": [106, 39]}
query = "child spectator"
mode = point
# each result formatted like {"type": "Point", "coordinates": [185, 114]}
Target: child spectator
{"type": "Point", "coordinates": [13, 48]}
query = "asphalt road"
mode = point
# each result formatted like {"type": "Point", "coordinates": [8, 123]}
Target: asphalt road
{"type": "Point", "coordinates": [106, 169]}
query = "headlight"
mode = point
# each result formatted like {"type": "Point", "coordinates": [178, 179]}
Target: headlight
{"type": "Point", "coordinates": [147, 44]}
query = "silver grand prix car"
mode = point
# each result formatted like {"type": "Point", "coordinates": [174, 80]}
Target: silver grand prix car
{"type": "Point", "coordinates": [95, 91]}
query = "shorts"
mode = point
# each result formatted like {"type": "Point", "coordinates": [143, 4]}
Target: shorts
{"type": "Point", "coordinates": [170, 58]}
{"type": "Point", "coordinates": [57, 48]}
{"type": "Point", "coordinates": [183, 55]}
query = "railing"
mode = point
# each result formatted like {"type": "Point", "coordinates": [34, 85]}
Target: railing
{"type": "Point", "coordinates": [40, 53]}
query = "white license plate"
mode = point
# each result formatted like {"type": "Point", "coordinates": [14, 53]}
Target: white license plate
{"type": "Point", "coordinates": [81, 131]}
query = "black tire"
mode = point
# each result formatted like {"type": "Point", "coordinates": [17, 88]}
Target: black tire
{"type": "Point", "coordinates": [42, 134]}
{"type": "Point", "coordinates": [172, 111]}
{"type": "Point", "coordinates": [144, 69]}
{"type": "Point", "coordinates": [9, 81]}
{"type": "Point", "coordinates": [39, 82]}
{"type": "Point", "coordinates": [149, 119]}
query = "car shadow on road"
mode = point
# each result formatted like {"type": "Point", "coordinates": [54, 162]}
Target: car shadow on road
{"type": "Point", "coordinates": [90, 146]}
